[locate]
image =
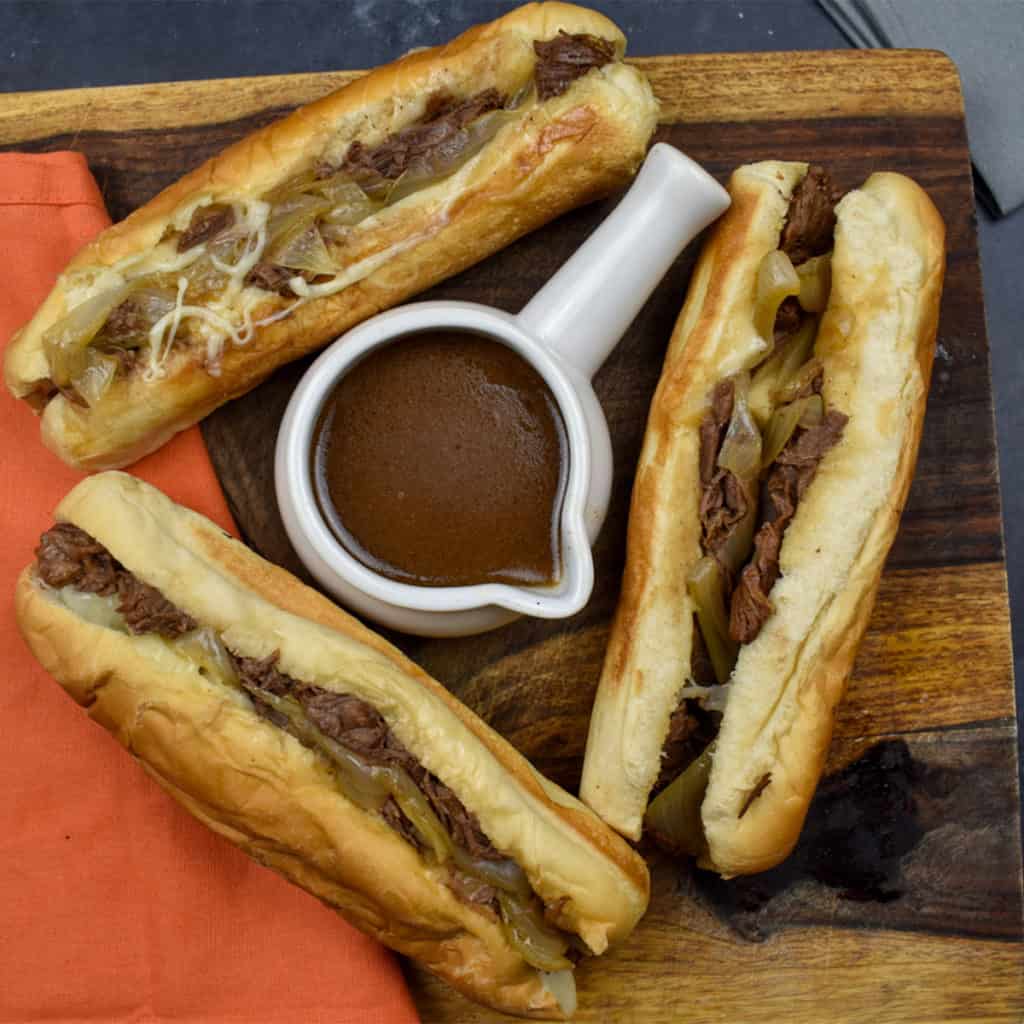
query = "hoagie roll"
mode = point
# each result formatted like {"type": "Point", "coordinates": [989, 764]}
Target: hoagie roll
{"type": "Point", "coordinates": [779, 451]}
{"type": "Point", "coordinates": [320, 750]}
{"type": "Point", "coordinates": [344, 208]}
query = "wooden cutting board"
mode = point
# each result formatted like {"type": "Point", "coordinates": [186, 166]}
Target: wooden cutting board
{"type": "Point", "coordinates": [902, 901]}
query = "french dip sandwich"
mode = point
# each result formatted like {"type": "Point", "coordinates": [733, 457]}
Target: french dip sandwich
{"type": "Point", "coordinates": [342, 209]}
{"type": "Point", "coordinates": [778, 455]}
{"type": "Point", "coordinates": [319, 749]}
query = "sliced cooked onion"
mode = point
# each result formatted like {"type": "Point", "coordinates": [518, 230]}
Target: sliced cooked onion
{"type": "Point", "coordinates": [784, 421]}
{"type": "Point", "coordinates": [741, 450]}
{"type": "Point", "coordinates": [535, 941]}
{"type": "Point", "coordinates": [347, 203]}
{"type": "Point", "coordinates": [293, 238]}
{"type": "Point", "coordinates": [367, 786]}
{"type": "Point", "coordinates": [466, 144]}
{"type": "Point", "coordinates": [153, 302]}
{"type": "Point", "coordinates": [290, 708]}
{"type": "Point", "coordinates": [800, 380]}
{"type": "Point", "coordinates": [741, 455]}
{"type": "Point", "coordinates": [204, 278]}
{"type": "Point", "coordinates": [94, 608]}
{"type": "Point", "coordinates": [291, 219]}
{"type": "Point", "coordinates": [306, 251]}
{"type": "Point", "coordinates": [415, 807]}
{"type": "Point", "coordinates": [814, 412]}
{"type": "Point", "coordinates": [67, 341]}
{"type": "Point", "coordinates": [674, 814]}
{"type": "Point", "coordinates": [780, 368]}
{"type": "Point", "coordinates": [776, 280]}
{"type": "Point", "coordinates": [562, 985]}
{"type": "Point", "coordinates": [804, 412]}
{"type": "Point", "coordinates": [150, 302]}
{"type": "Point", "coordinates": [815, 282]}
{"type": "Point", "coordinates": [301, 185]}
{"type": "Point", "coordinates": [734, 553]}
{"type": "Point", "coordinates": [711, 698]}
{"type": "Point", "coordinates": [204, 648]}
{"type": "Point", "coordinates": [95, 379]}
{"type": "Point", "coordinates": [506, 874]}
{"type": "Point", "coordinates": [707, 590]}
{"type": "Point", "coordinates": [526, 93]}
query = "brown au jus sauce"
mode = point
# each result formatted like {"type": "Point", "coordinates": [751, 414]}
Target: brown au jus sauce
{"type": "Point", "coordinates": [440, 460]}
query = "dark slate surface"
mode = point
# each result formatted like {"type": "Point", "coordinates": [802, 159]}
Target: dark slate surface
{"type": "Point", "coordinates": [55, 45]}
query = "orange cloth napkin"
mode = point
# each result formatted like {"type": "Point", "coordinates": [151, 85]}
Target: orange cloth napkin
{"type": "Point", "coordinates": [115, 905]}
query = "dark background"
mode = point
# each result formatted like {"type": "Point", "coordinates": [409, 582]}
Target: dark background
{"type": "Point", "coordinates": [58, 44]}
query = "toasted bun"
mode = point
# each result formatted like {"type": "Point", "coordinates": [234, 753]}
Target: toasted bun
{"type": "Point", "coordinates": [876, 341]}
{"type": "Point", "coordinates": [567, 150]}
{"type": "Point", "coordinates": [273, 797]}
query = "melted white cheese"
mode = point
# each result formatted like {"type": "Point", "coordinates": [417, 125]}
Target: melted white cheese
{"type": "Point", "coordinates": [227, 318]}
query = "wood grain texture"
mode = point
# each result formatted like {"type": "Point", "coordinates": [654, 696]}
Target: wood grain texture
{"type": "Point", "coordinates": [902, 901]}
{"type": "Point", "coordinates": [699, 87]}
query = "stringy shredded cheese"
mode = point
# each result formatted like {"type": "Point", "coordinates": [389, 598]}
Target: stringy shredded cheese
{"type": "Point", "coordinates": [228, 316]}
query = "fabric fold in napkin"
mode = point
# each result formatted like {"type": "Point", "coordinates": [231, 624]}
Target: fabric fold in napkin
{"type": "Point", "coordinates": [986, 41]}
{"type": "Point", "coordinates": [117, 906]}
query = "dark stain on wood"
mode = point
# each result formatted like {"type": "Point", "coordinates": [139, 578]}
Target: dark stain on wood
{"type": "Point", "coordinates": [905, 830]}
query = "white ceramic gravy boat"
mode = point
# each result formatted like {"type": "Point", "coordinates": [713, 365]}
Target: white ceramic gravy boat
{"type": "Point", "coordinates": [565, 332]}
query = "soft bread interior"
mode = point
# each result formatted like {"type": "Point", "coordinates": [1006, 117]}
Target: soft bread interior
{"type": "Point", "coordinates": [648, 657]}
{"type": "Point", "coordinates": [566, 852]}
{"type": "Point", "coordinates": [566, 151]}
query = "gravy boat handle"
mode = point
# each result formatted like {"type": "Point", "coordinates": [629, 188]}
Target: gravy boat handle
{"type": "Point", "coordinates": [583, 311]}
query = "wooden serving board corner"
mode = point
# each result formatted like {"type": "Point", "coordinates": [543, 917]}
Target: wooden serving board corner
{"type": "Point", "coordinates": [902, 901]}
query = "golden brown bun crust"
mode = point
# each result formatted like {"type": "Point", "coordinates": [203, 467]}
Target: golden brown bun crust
{"type": "Point", "coordinates": [648, 653]}
{"type": "Point", "coordinates": [572, 149]}
{"type": "Point", "coordinates": [876, 341]}
{"type": "Point", "coordinates": [191, 735]}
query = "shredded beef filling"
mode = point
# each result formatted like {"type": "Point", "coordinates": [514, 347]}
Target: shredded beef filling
{"type": "Point", "coordinates": [811, 218]}
{"type": "Point", "coordinates": [788, 478]}
{"type": "Point", "coordinates": [126, 320]}
{"type": "Point", "coordinates": [808, 232]}
{"type": "Point", "coordinates": [272, 278]}
{"type": "Point", "coordinates": [723, 501]}
{"type": "Point", "coordinates": [713, 428]}
{"type": "Point", "coordinates": [396, 818]}
{"type": "Point", "coordinates": [206, 223]}
{"type": "Point", "coordinates": [788, 319]}
{"type": "Point", "coordinates": [69, 557]}
{"type": "Point", "coordinates": [357, 725]}
{"type": "Point", "coordinates": [146, 610]}
{"type": "Point", "coordinates": [560, 61]}
{"type": "Point", "coordinates": [438, 137]}
{"type": "Point", "coordinates": [723, 505]}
